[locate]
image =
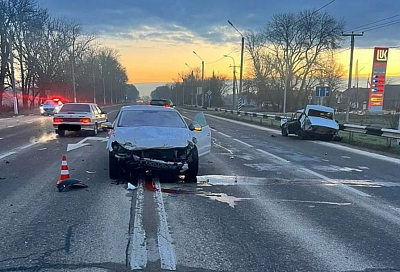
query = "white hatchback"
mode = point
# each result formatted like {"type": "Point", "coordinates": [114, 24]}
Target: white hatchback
{"type": "Point", "coordinates": [79, 116]}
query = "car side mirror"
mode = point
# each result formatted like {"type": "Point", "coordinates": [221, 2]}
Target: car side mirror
{"type": "Point", "coordinates": [196, 127]}
{"type": "Point", "coordinates": [107, 125]}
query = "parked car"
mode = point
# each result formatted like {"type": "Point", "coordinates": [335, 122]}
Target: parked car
{"type": "Point", "coordinates": [313, 122]}
{"type": "Point", "coordinates": [162, 102]}
{"type": "Point", "coordinates": [156, 138]}
{"type": "Point", "coordinates": [51, 106]}
{"type": "Point", "coordinates": [79, 116]}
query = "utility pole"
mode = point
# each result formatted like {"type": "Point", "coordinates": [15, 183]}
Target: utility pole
{"type": "Point", "coordinates": [352, 35]}
{"type": "Point", "coordinates": [234, 87]}
{"type": "Point", "coordinates": [241, 70]}
{"type": "Point", "coordinates": [15, 98]}
{"type": "Point", "coordinates": [286, 57]}
{"type": "Point", "coordinates": [94, 88]}
{"type": "Point", "coordinates": [202, 83]}
{"type": "Point", "coordinates": [104, 91]}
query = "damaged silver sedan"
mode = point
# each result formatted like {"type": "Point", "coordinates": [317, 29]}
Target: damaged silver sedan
{"type": "Point", "coordinates": [156, 138]}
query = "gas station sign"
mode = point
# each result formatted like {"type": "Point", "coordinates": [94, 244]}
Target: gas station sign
{"type": "Point", "coordinates": [378, 79]}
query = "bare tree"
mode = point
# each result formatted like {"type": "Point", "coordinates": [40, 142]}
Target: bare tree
{"type": "Point", "coordinates": [290, 46]}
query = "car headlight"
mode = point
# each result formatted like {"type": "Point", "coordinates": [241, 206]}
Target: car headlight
{"type": "Point", "coordinates": [41, 109]}
{"type": "Point", "coordinates": [56, 109]}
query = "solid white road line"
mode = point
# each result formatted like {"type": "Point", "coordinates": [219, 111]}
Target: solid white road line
{"type": "Point", "coordinates": [223, 134]}
{"type": "Point", "coordinates": [166, 250]}
{"type": "Point", "coordinates": [138, 239]}
{"type": "Point", "coordinates": [10, 126]}
{"type": "Point", "coordinates": [244, 124]}
{"type": "Point", "coordinates": [1, 138]}
{"type": "Point", "coordinates": [7, 154]}
{"type": "Point", "coordinates": [212, 129]}
{"type": "Point", "coordinates": [28, 145]}
{"type": "Point", "coordinates": [243, 143]}
{"type": "Point", "coordinates": [326, 179]}
{"type": "Point", "coordinates": [361, 152]}
{"type": "Point", "coordinates": [273, 156]}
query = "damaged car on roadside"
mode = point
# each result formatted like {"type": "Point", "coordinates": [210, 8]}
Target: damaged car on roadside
{"type": "Point", "coordinates": [313, 122]}
{"type": "Point", "coordinates": [158, 139]}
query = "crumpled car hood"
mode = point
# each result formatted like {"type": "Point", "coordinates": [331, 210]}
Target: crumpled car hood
{"type": "Point", "coordinates": [139, 138]}
{"type": "Point", "coordinates": [323, 122]}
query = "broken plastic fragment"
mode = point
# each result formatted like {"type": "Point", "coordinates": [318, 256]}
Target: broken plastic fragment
{"type": "Point", "coordinates": [91, 172]}
{"type": "Point", "coordinates": [131, 186]}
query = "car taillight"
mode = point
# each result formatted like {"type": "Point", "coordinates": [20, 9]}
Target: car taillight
{"type": "Point", "coordinates": [166, 106]}
{"type": "Point", "coordinates": [85, 120]}
{"type": "Point", "coordinates": [57, 120]}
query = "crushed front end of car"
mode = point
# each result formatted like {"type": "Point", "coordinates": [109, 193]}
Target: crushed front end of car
{"type": "Point", "coordinates": [167, 159]}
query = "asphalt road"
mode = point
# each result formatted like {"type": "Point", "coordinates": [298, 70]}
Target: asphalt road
{"type": "Point", "coordinates": [262, 202]}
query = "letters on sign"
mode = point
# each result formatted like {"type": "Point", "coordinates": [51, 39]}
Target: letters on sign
{"type": "Point", "coordinates": [382, 54]}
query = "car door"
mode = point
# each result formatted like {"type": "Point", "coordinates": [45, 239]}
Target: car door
{"type": "Point", "coordinates": [204, 136]}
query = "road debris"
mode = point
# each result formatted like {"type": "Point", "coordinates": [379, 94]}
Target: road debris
{"type": "Point", "coordinates": [91, 172]}
{"type": "Point", "coordinates": [131, 186]}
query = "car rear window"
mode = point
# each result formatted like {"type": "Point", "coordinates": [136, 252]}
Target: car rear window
{"type": "Point", "coordinates": [322, 114]}
{"type": "Point", "coordinates": [135, 118]}
{"type": "Point", "coordinates": [75, 108]}
{"type": "Point", "coordinates": [160, 102]}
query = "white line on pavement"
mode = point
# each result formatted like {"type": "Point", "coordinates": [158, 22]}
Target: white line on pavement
{"type": "Point", "coordinates": [361, 152]}
{"type": "Point", "coordinates": [243, 143]}
{"type": "Point", "coordinates": [166, 250]}
{"type": "Point", "coordinates": [326, 179]}
{"type": "Point", "coordinates": [273, 156]}
{"type": "Point", "coordinates": [7, 154]}
{"type": "Point", "coordinates": [244, 124]}
{"type": "Point", "coordinates": [223, 134]}
{"type": "Point", "coordinates": [212, 129]}
{"type": "Point", "coordinates": [139, 252]}
{"type": "Point", "coordinates": [28, 145]}
{"type": "Point", "coordinates": [1, 138]}
{"type": "Point", "coordinates": [10, 126]}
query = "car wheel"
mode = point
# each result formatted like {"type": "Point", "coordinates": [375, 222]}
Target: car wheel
{"type": "Point", "coordinates": [285, 131]}
{"type": "Point", "coordinates": [60, 133]}
{"type": "Point", "coordinates": [95, 129]}
{"type": "Point", "coordinates": [112, 166]}
{"type": "Point", "coordinates": [191, 173]}
{"type": "Point", "coordinates": [300, 134]}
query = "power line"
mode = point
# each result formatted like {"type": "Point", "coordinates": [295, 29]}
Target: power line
{"type": "Point", "coordinates": [361, 26]}
{"type": "Point", "coordinates": [383, 25]}
{"type": "Point", "coordinates": [223, 56]}
{"type": "Point", "coordinates": [315, 11]}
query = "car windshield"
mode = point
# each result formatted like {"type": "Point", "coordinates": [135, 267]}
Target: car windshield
{"type": "Point", "coordinates": [322, 114]}
{"type": "Point", "coordinates": [75, 108]}
{"type": "Point", "coordinates": [135, 118]}
{"type": "Point", "coordinates": [50, 102]}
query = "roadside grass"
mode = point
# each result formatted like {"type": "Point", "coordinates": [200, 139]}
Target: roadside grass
{"type": "Point", "coordinates": [362, 140]}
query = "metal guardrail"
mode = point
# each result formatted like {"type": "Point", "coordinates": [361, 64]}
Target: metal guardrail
{"type": "Point", "coordinates": [389, 134]}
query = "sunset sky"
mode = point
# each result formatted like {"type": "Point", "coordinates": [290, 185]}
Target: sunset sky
{"type": "Point", "coordinates": [155, 38]}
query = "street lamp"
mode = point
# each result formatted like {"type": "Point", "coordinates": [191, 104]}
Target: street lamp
{"type": "Point", "coordinates": [202, 80]}
{"type": "Point", "coordinates": [192, 82]}
{"type": "Point", "coordinates": [241, 60]}
{"type": "Point", "coordinates": [234, 81]}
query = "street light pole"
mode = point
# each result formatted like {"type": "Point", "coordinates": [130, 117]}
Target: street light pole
{"type": "Point", "coordinates": [241, 61]}
{"type": "Point", "coordinates": [192, 82]}
{"type": "Point", "coordinates": [234, 82]}
{"type": "Point", "coordinates": [202, 80]}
